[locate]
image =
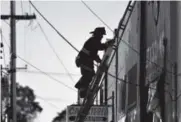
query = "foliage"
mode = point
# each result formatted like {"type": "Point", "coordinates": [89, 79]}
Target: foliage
{"type": "Point", "coordinates": [60, 116]}
{"type": "Point", "coordinates": [27, 107]}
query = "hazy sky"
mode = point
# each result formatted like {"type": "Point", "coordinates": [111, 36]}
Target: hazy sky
{"type": "Point", "coordinates": [74, 21]}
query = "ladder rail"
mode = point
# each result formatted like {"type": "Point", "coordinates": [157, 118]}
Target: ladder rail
{"type": "Point", "coordinates": [94, 87]}
{"type": "Point", "coordinates": [119, 28]}
{"type": "Point", "coordinates": [99, 77]}
{"type": "Point", "coordinates": [121, 35]}
{"type": "Point", "coordinates": [101, 67]}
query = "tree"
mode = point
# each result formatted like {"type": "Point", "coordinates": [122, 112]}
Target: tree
{"type": "Point", "coordinates": [27, 107]}
{"type": "Point", "coordinates": [60, 117]}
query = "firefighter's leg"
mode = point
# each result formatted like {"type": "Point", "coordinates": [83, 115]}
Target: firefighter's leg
{"type": "Point", "coordinates": [87, 75]}
{"type": "Point", "coordinates": [78, 84]}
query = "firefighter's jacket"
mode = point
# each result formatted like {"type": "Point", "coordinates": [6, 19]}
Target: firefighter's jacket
{"type": "Point", "coordinates": [89, 52]}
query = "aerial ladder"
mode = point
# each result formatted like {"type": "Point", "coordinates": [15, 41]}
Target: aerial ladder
{"type": "Point", "coordinates": [107, 58]}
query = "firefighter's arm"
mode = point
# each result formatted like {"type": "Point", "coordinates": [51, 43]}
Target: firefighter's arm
{"type": "Point", "coordinates": [110, 42]}
{"type": "Point", "coordinates": [102, 46]}
{"type": "Point", "coordinates": [106, 45]}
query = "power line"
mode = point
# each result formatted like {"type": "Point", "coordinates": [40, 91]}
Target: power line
{"type": "Point", "coordinates": [96, 15]}
{"type": "Point", "coordinates": [138, 85]}
{"type": "Point", "coordinates": [122, 40]}
{"type": "Point", "coordinates": [6, 22]}
{"type": "Point", "coordinates": [115, 77]}
{"type": "Point", "coordinates": [4, 39]}
{"type": "Point", "coordinates": [22, 10]}
{"type": "Point", "coordinates": [46, 74]}
{"type": "Point", "coordinates": [53, 27]}
{"type": "Point", "coordinates": [52, 99]}
{"type": "Point", "coordinates": [102, 21]}
{"type": "Point", "coordinates": [25, 33]}
{"type": "Point", "coordinates": [29, 8]}
{"type": "Point", "coordinates": [51, 73]}
{"type": "Point", "coordinates": [106, 25]}
{"type": "Point", "coordinates": [51, 104]}
{"type": "Point", "coordinates": [22, 6]}
{"type": "Point", "coordinates": [4, 57]}
{"type": "Point", "coordinates": [73, 89]}
{"type": "Point", "coordinates": [46, 37]}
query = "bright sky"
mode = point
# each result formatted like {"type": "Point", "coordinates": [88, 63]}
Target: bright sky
{"type": "Point", "coordinates": [74, 21]}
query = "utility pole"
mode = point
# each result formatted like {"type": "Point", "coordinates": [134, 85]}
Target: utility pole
{"type": "Point", "coordinates": [13, 61]}
{"type": "Point", "coordinates": [142, 73]}
{"type": "Point", "coordinates": [13, 17]}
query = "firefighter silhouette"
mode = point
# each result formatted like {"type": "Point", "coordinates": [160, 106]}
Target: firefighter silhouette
{"type": "Point", "coordinates": [87, 56]}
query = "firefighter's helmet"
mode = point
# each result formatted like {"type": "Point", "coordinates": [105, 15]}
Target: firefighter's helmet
{"type": "Point", "coordinates": [99, 30]}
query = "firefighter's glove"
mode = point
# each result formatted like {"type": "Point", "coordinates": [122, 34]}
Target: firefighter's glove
{"type": "Point", "coordinates": [108, 43]}
{"type": "Point", "coordinates": [98, 60]}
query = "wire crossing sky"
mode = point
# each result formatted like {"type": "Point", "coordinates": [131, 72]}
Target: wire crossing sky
{"type": "Point", "coordinates": [74, 21]}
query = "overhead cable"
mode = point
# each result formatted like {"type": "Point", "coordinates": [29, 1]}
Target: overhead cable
{"type": "Point", "coordinates": [77, 50]}
{"type": "Point", "coordinates": [51, 104]}
{"type": "Point", "coordinates": [46, 37]}
{"type": "Point", "coordinates": [46, 74]}
{"type": "Point", "coordinates": [51, 73]}
{"type": "Point", "coordinates": [129, 46]}
{"type": "Point", "coordinates": [4, 56]}
{"type": "Point", "coordinates": [53, 27]}
{"type": "Point", "coordinates": [96, 15]}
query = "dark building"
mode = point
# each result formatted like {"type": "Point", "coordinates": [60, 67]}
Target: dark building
{"type": "Point", "coordinates": [162, 21]}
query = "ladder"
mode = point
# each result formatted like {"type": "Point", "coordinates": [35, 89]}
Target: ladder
{"type": "Point", "coordinates": [96, 82]}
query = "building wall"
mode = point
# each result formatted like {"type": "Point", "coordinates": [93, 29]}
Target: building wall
{"type": "Point", "coordinates": [176, 30]}
{"type": "Point", "coordinates": [127, 60]}
{"type": "Point", "coordinates": [179, 60]}
{"type": "Point", "coordinates": [162, 21]}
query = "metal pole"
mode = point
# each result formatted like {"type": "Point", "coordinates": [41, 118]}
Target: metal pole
{"type": "Point", "coordinates": [101, 97]}
{"type": "Point", "coordinates": [162, 99]}
{"type": "Point", "coordinates": [175, 93]}
{"type": "Point", "coordinates": [78, 97]}
{"type": "Point", "coordinates": [142, 73]}
{"type": "Point", "coordinates": [1, 93]}
{"type": "Point", "coordinates": [97, 98]}
{"type": "Point", "coordinates": [13, 61]}
{"type": "Point", "coordinates": [113, 106]}
{"type": "Point", "coordinates": [116, 78]}
{"type": "Point", "coordinates": [105, 94]}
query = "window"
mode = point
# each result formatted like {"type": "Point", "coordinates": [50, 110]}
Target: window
{"type": "Point", "coordinates": [132, 88]}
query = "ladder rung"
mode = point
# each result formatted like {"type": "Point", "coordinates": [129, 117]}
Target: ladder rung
{"type": "Point", "coordinates": [130, 9]}
{"type": "Point", "coordinates": [131, 6]}
{"type": "Point", "coordinates": [122, 27]}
